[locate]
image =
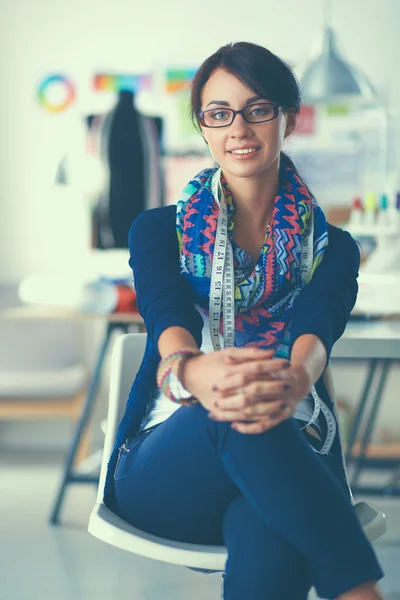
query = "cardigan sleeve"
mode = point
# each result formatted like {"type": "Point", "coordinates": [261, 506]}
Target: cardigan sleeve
{"type": "Point", "coordinates": [324, 305]}
{"type": "Point", "coordinates": [164, 298]}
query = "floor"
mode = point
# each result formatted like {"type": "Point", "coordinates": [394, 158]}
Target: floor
{"type": "Point", "coordinates": [40, 562]}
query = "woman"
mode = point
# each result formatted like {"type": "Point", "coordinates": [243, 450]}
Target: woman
{"type": "Point", "coordinates": [240, 446]}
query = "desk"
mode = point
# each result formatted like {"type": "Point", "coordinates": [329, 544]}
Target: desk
{"type": "Point", "coordinates": [379, 343]}
{"type": "Point", "coordinates": [114, 321]}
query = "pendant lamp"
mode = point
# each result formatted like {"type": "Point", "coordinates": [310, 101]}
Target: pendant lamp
{"type": "Point", "coordinates": [329, 77]}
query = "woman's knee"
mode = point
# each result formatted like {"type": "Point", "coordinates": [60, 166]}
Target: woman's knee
{"type": "Point", "coordinates": [261, 563]}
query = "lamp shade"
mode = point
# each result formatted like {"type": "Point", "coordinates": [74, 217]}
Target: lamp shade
{"type": "Point", "coordinates": [329, 77]}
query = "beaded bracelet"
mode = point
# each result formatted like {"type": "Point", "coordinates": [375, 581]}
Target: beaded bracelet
{"type": "Point", "coordinates": [165, 365]}
{"type": "Point", "coordinates": [168, 384]}
{"type": "Point", "coordinates": [165, 368]}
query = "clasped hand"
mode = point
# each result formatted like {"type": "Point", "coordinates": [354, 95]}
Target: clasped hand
{"type": "Point", "coordinates": [248, 387]}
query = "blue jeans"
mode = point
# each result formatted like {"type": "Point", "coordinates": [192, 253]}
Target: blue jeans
{"type": "Point", "coordinates": [276, 505]}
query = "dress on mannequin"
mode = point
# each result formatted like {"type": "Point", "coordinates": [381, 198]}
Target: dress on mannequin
{"type": "Point", "coordinates": [129, 146]}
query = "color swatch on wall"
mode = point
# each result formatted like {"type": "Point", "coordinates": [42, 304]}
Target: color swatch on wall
{"type": "Point", "coordinates": [177, 80]}
{"type": "Point", "coordinates": [118, 83]}
{"type": "Point", "coordinates": [56, 93]}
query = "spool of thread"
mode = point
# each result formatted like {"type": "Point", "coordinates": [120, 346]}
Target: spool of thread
{"type": "Point", "coordinates": [370, 201]}
{"type": "Point", "coordinates": [370, 207]}
{"type": "Point", "coordinates": [395, 212]}
{"type": "Point", "coordinates": [383, 204]}
{"type": "Point", "coordinates": [383, 219]}
{"type": "Point", "coordinates": [356, 211]}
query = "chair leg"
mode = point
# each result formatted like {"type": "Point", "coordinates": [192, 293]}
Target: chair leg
{"type": "Point", "coordinates": [222, 585]}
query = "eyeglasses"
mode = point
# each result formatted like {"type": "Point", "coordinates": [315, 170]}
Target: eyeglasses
{"type": "Point", "coordinates": [259, 112]}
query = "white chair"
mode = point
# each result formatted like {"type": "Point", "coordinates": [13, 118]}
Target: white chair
{"type": "Point", "coordinates": [106, 526]}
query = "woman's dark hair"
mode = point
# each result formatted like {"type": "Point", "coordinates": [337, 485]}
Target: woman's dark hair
{"type": "Point", "coordinates": [258, 68]}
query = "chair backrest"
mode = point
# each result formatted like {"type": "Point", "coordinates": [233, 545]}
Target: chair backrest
{"type": "Point", "coordinates": [126, 359]}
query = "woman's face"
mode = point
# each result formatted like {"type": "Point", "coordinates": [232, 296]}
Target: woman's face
{"type": "Point", "coordinates": [265, 138]}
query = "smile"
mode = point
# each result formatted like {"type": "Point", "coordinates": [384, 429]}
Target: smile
{"type": "Point", "coordinates": [244, 152]}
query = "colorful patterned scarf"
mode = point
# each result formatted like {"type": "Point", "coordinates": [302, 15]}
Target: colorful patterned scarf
{"type": "Point", "coordinates": [264, 295]}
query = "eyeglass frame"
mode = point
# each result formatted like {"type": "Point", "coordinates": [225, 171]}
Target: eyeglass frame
{"type": "Point", "coordinates": [277, 108]}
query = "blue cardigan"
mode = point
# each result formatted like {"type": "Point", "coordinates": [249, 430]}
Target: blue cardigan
{"type": "Point", "coordinates": [164, 299]}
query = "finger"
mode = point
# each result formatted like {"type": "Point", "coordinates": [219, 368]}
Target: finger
{"type": "Point", "coordinates": [260, 367]}
{"type": "Point", "coordinates": [257, 412]}
{"type": "Point", "coordinates": [266, 391]}
{"type": "Point", "coordinates": [262, 425]}
{"type": "Point", "coordinates": [269, 410]}
{"type": "Point", "coordinates": [235, 355]}
{"type": "Point", "coordinates": [254, 392]}
{"type": "Point", "coordinates": [251, 428]}
{"type": "Point", "coordinates": [231, 383]}
{"type": "Point", "coordinates": [234, 381]}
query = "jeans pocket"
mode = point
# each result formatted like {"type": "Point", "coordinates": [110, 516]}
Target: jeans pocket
{"type": "Point", "coordinates": [127, 450]}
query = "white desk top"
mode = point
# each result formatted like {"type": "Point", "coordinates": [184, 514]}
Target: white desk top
{"type": "Point", "coordinates": [374, 339]}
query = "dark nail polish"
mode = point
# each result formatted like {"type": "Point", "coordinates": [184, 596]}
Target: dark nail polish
{"type": "Point", "coordinates": [214, 388]}
{"type": "Point", "coordinates": [286, 365]}
{"type": "Point", "coordinates": [286, 386]}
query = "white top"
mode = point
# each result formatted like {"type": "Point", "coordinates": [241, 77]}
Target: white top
{"type": "Point", "coordinates": [160, 407]}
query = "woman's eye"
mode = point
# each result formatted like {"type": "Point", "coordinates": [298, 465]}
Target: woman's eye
{"type": "Point", "coordinates": [260, 110]}
{"type": "Point", "coordinates": [220, 115]}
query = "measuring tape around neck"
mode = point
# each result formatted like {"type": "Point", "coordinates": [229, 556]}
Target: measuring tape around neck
{"type": "Point", "coordinates": [222, 276]}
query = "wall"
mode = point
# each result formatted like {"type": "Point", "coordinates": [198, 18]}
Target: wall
{"type": "Point", "coordinates": [44, 228]}
{"type": "Point", "coordinates": [38, 38]}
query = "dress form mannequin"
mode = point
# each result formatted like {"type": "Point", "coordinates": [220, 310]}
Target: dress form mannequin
{"type": "Point", "coordinates": [128, 144]}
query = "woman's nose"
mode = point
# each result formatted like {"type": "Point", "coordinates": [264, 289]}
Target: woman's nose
{"type": "Point", "coordinates": [239, 127]}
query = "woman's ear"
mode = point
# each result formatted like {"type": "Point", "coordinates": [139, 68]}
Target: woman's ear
{"type": "Point", "coordinates": [204, 135]}
{"type": "Point", "coordinates": [290, 123]}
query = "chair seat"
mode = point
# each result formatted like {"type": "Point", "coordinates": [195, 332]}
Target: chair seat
{"type": "Point", "coordinates": [108, 527]}
{"type": "Point", "coordinates": [372, 519]}
{"type": "Point", "coordinates": [49, 383]}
